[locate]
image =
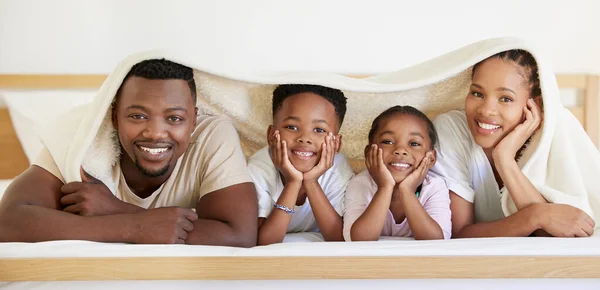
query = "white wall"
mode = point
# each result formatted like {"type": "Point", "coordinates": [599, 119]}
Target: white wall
{"type": "Point", "coordinates": [368, 36]}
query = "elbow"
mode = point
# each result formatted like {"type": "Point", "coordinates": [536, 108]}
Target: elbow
{"type": "Point", "coordinates": [356, 236]}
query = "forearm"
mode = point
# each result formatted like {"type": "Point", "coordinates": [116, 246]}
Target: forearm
{"type": "Point", "coordinates": [519, 224]}
{"type": "Point", "coordinates": [422, 225]}
{"type": "Point", "coordinates": [329, 221]}
{"type": "Point", "coordinates": [274, 228]}
{"type": "Point", "coordinates": [219, 233]}
{"type": "Point", "coordinates": [520, 188]}
{"type": "Point", "coordinates": [369, 225]}
{"type": "Point", "coordinates": [30, 223]}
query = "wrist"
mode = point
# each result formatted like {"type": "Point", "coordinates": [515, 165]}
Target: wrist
{"type": "Point", "coordinates": [130, 228]}
{"type": "Point", "coordinates": [536, 218]}
{"type": "Point", "coordinates": [502, 159]}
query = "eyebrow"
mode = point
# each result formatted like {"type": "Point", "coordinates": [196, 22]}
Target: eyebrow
{"type": "Point", "coordinates": [140, 107]}
{"type": "Point", "coordinates": [298, 120]}
{"type": "Point", "coordinates": [411, 133]}
{"type": "Point", "coordinates": [503, 89]}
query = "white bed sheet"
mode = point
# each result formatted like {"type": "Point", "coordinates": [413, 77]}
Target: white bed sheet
{"type": "Point", "coordinates": [302, 245]}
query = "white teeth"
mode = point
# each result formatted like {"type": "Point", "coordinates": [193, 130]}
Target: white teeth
{"type": "Point", "coordinates": [404, 165]}
{"type": "Point", "coordinates": [304, 154]}
{"type": "Point", "coordinates": [154, 150]}
{"type": "Point", "coordinates": [487, 126]}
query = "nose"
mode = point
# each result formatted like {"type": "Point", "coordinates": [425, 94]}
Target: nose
{"type": "Point", "coordinates": [400, 150]}
{"type": "Point", "coordinates": [488, 108]}
{"type": "Point", "coordinates": [304, 138]}
{"type": "Point", "coordinates": [155, 130]}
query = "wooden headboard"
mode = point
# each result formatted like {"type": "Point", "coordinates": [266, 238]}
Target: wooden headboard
{"type": "Point", "coordinates": [14, 160]}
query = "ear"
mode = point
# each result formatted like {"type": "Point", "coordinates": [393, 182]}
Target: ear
{"type": "Point", "coordinates": [433, 155]}
{"type": "Point", "coordinates": [539, 101]}
{"type": "Point", "coordinates": [338, 138]}
{"type": "Point", "coordinates": [195, 116]}
{"type": "Point", "coordinates": [113, 114]}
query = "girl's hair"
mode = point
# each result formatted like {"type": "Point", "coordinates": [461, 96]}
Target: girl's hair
{"type": "Point", "coordinates": [403, 110]}
{"type": "Point", "coordinates": [526, 61]}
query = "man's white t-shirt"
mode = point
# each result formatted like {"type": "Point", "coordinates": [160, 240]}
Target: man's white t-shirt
{"type": "Point", "coordinates": [269, 186]}
{"type": "Point", "coordinates": [465, 167]}
{"type": "Point", "coordinates": [213, 161]}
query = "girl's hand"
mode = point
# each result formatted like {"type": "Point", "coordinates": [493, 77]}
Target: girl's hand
{"type": "Point", "coordinates": [415, 178]}
{"type": "Point", "coordinates": [279, 155]}
{"type": "Point", "coordinates": [511, 143]}
{"type": "Point", "coordinates": [380, 173]}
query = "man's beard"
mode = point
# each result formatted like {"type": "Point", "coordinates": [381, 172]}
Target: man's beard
{"type": "Point", "coordinates": [149, 173]}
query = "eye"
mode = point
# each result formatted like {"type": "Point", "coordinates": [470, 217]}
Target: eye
{"type": "Point", "coordinates": [291, 127]}
{"type": "Point", "coordinates": [505, 99]}
{"type": "Point", "coordinates": [320, 130]}
{"type": "Point", "coordinates": [137, 116]}
{"type": "Point", "coordinates": [387, 142]}
{"type": "Point", "coordinates": [415, 144]}
{"type": "Point", "coordinates": [476, 94]}
{"type": "Point", "coordinates": [175, 119]}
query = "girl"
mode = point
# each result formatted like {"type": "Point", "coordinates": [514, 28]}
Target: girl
{"type": "Point", "coordinates": [396, 195]}
{"type": "Point", "coordinates": [481, 146]}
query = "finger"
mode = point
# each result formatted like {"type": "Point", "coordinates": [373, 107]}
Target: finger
{"type": "Point", "coordinates": [183, 235]}
{"type": "Point", "coordinates": [284, 153]}
{"type": "Point", "coordinates": [590, 221]}
{"type": "Point", "coordinates": [180, 241]}
{"type": "Point", "coordinates": [74, 208]}
{"type": "Point", "coordinates": [187, 225]}
{"type": "Point", "coordinates": [330, 151]}
{"type": "Point", "coordinates": [581, 234]}
{"type": "Point", "coordinates": [278, 146]}
{"type": "Point", "coordinates": [587, 229]}
{"type": "Point", "coordinates": [190, 215]}
{"type": "Point", "coordinates": [86, 177]}
{"type": "Point", "coordinates": [380, 158]}
{"type": "Point", "coordinates": [71, 187]}
{"type": "Point", "coordinates": [72, 198]}
{"type": "Point", "coordinates": [323, 160]}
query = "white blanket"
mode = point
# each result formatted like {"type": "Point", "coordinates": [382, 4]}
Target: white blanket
{"type": "Point", "coordinates": [561, 161]}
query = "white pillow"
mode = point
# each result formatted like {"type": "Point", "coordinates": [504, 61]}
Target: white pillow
{"type": "Point", "coordinates": [29, 108]}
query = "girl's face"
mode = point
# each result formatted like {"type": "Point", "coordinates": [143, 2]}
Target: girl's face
{"type": "Point", "coordinates": [404, 140]}
{"type": "Point", "coordinates": [494, 105]}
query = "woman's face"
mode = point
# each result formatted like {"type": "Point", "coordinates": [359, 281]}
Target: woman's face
{"type": "Point", "coordinates": [495, 102]}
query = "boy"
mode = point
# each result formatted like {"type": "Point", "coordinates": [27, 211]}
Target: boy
{"type": "Point", "coordinates": [299, 178]}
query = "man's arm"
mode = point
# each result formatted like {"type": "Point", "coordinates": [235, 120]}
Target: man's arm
{"type": "Point", "coordinates": [227, 217]}
{"type": "Point", "coordinates": [30, 211]}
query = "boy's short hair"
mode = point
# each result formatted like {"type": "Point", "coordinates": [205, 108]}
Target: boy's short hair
{"type": "Point", "coordinates": [334, 96]}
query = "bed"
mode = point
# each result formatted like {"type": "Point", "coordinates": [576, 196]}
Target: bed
{"type": "Point", "coordinates": [63, 264]}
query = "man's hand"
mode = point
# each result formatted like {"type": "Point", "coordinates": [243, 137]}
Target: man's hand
{"type": "Point", "coordinates": [326, 161]}
{"type": "Point", "coordinates": [90, 197]}
{"type": "Point", "coordinates": [166, 225]}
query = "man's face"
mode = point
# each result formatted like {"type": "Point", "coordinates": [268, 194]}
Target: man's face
{"type": "Point", "coordinates": [154, 120]}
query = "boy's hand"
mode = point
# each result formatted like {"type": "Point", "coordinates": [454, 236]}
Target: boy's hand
{"type": "Point", "coordinates": [90, 197]}
{"type": "Point", "coordinates": [415, 178]}
{"type": "Point", "coordinates": [377, 169]}
{"type": "Point", "coordinates": [326, 161]}
{"type": "Point", "coordinates": [279, 155]}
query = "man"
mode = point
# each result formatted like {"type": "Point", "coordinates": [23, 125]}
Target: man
{"type": "Point", "coordinates": [170, 161]}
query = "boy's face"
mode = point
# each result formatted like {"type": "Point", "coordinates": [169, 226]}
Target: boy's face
{"type": "Point", "coordinates": [154, 120]}
{"type": "Point", "coordinates": [303, 122]}
{"type": "Point", "coordinates": [404, 140]}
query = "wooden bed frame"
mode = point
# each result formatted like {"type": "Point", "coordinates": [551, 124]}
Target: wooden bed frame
{"type": "Point", "coordinates": [277, 268]}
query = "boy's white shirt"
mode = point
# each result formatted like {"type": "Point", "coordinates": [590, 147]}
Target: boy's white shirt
{"type": "Point", "coordinates": [269, 186]}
